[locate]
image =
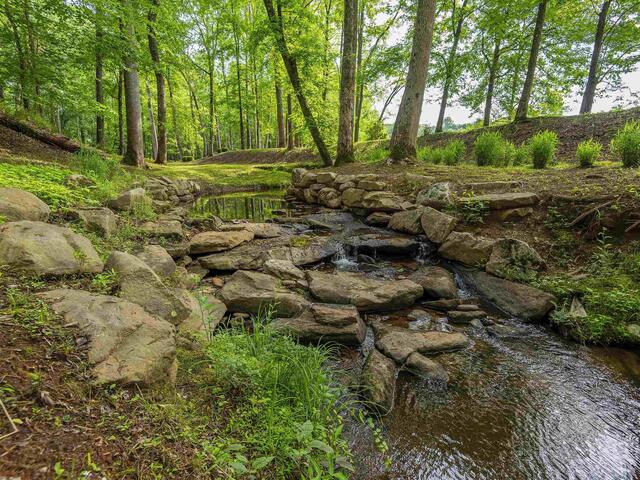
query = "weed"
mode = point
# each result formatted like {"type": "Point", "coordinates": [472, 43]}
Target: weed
{"type": "Point", "coordinates": [472, 211]}
{"type": "Point", "coordinates": [491, 149]}
{"type": "Point", "coordinates": [105, 282]}
{"type": "Point", "coordinates": [451, 154]}
{"type": "Point", "coordinates": [542, 148]}
{"type": "Point", "coordinates": [626, 145]}
{"type": "Point", "coordinates": [588, 153]}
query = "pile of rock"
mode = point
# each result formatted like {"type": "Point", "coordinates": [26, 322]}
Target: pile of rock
{"type": "Point", "coordinates": [167, 192]}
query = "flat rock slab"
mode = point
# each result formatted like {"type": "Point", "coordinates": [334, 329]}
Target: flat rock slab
{"type": "Point", "coordinates": [326, 323]}
{"type": "Point", "coordinates": [16, 205]}
{"type": "Point", "coordinates": [522, 301]}
{"type": "Point", "coordinates": [389, 243]}
{"type": "Point", "coordinates": [169, 229]}
{"type": "Point", "coordinates": [378, 382]}
{"type": "Point", "coordinates": [502, 201]}
{"type": "Point", "coordinates": [100, 219]}
{"type": "Point", "coordinates": [128, 199]}
{"type": "Point", "coordinates": [212, 242]}
{"type": "Point", "coordinates": [158, 259]}
{"type": "Point", "coordinates": [426, 368]}
{"type": "Point", "coordinates": [259, 230]}
{"type": "Point", "coordinates": [44, 249]}
{"type": "Point", "coordinates": [254, 292]}
{"type": "Point", "coordinates": [398, 343]}
{"type": "Point", "coordinates": [407, 222]}
{"type": "Point", "coordinates": [467, 248]}
{"type": "Point", "coordinates": [365, 293]}
{"type": "Point", "coordinates": [126, 344]}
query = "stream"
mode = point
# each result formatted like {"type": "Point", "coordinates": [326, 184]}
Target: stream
{"type": "Point", "coordinates": [522, 402]}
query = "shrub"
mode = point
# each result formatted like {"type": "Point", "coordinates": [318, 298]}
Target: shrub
{"type": "Point", "coordinates": [491, 149]}
{"type": "Point", "coordinates": [588, 153]}
{"type": "Point", "coordinates": [542, 147]}
{"type": "Point", "coordinates": [521, 155]}
{"type": "Point", "coordinates": [453, 153]}
{"type": "Point", "coordinates": [626, 145]}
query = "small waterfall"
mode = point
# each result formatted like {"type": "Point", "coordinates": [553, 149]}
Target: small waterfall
{"type": "Point", "coordinates": [344, 259]}
{"type": "Point", "coordinates": [425, 252]}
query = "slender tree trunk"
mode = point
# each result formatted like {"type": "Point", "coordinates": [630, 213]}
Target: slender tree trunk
{"type": "Point", "coordinates": [457, 32]}
{"type": "Point", "coordinates": [523, 105]}
{"type": "Point", "coordinates": [388, 101]}
{"type": "Point", "coordinates": [99, 92]}
{"type": "Point", "coordinates": [152, 123]}
{"type": "Point", "coordinates": [290, 143]}
{"type": "Point", "coordinates": [174, 121]}
{"type": "Point", "coordinates": [282, 142]}
{"type": "Point", "coordinates": [347, 82]}
{"type": "Point", "coordinates": [290, 63]}
{"type": "Point", "coordinates": [257, 95]}
{"type": "Point", "coordinates": [134, 154]}
{"type": "Point", "coordinates": [161, 152]}
{"type": "Point", "coordinates": [405, 130]}
{"type": "Point", "coordinates": [239, 82]}
{"type": "Point", "coordinates": [327, 49]}
{"type": "Point", "coordinates": [592, 79]}
{"type": "Point", "coordinates": [359, 75]}
{"type": "Point", "coordinates": [120, 115]}
{"type": "Point", "coordinates": [23, 96]}
{"type": "Point", "coordinates": [491, 83]}
{"type": "Point", "coordinates": [193, 119]}
{"type": "Point", "coordinates": [33, 54]}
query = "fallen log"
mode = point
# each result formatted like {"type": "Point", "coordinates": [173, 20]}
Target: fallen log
{"type": "Point", "coordinates": [39, 134]}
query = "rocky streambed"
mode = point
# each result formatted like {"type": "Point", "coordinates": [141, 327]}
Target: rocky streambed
{"type": "Point", "coordinates": [467, 382]}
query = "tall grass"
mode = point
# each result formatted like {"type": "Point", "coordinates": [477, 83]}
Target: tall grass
{"type": "Point", "coordinates": [626, 145]}
{"type": "Point", "coordinates": [451, 154]}
{"type": "Point", "coordinates": [543, 148]}
{"type": "Point", "coordinates": [491, 149]}
{"type": "Point", "coordinates": [588, 153]}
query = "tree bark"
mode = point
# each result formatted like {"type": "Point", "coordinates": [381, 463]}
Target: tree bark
{"type": "Point", "coordinates": [290, 142]}
{"type": "Point", "coordinates": [239, 83]}
{"type": "Point", "coordinates": [22, 62]}
{"type": "Point", "coordinates": [174, 121]}
{"type": "Point", "coordinates": [491, 83]}
{"type": "Point", "coordinates": [134, 154]}
{"type": "Point", "coordinates": [33, 54]}
{"type": "Point", "coordinates": [120, 115]}
{"type": "Point", "coordinates": [347, 82]}
{"type": "Point", "coordinates": [161, 151]}
{"type": "Point", "coordinates": [152, 124]}
{"type": "Point", "coordinates": [327, 49]}
{"type": "Point", "coordinates": [359, 75]}
{"type": "Point", "coordinates": [282, 141]}
{"type": "Point", "coordinates": [41, 135]}
{"type": "Point", "coordinates": [291, 64]}
{"type": "Point", "coordinates": [405, 130]}
{"type": "Point", "coordinates": [99, 92]}
{"type": "Point", "coordinates": [592, 79]}
{"type": "Point", "coordinates": [457, 32]}
{"type": "Point", "coordinates": [523, 105]}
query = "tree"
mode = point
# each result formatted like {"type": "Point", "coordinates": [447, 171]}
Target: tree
{"type": "Point", "coordinates": [161, 153]}
{"type": "Point", "coordinates": [347, 82]}
{"type": "Point", "coordinates": [291, 65]}
{"type": "Point", "coordinates": [100, 139]}
{"type": "Point", "coordinates": [405, 130]}
{"type": "Point", "coordinates": [523, 105]}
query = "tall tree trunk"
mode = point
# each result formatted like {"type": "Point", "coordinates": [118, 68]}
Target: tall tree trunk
{"type": "Point", "coordinates": [491, 83]}
{"type": "Point", "coordinates": [282, 142]}
{"type": "Point", "coordinates": [99, 92]}
{"type": "Point", "coordinates": [33, 54]}
{"type": "Point", "coordinates": [592, 79]}
{"type": "Point", "coordinates": [134, 154]}
{"type": "Point", "coordinates": [457, 32]}
{"type": "Point", "coordinates": [405, 130]}
{"type": "Point", "coordinates": [257, 95]}
{"type": "Point", "coordinates": [290, 63]}
{"type": "Point", "coordinates": [193, 119]}
{"type": "Point", "coordinates": [152, 124]}
{"type": "Point", "coordinates": [347, 82]}
{"type": "Point", "coordinates": [23, 96]}
{"type": "Point", "coordinates": [174, 121]}
{"type": "Point", "coordinates": [239, 82]}
{"type": "Point", "coordinates": [523, 105]}
{"type": "Point", "coordinates": [359, 74]}
{"type": "Point", "coordinates": [120, 115]}
{"type": "Point", "coordinates": [327, 49]}
{"type": "Point", "coordinates": [290, 143]}
{"type": "Point", "coordinates": [161, 152]}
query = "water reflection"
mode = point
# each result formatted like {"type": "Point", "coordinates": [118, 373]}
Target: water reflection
{"type": "Point", "coordinates": [255, 207]}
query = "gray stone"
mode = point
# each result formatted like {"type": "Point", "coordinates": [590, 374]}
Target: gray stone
{"type": "Point", "coordinates": [502, 201]}
{"type": "Point", "coordinates": [206, 313]}
{"type": "Point", "coordinates": [352, 197]}
{"type": "Point", "coordinates": [77, 180]}
{"type": "Point", "coordinates": [169, 229]}
{"type": "Point", "coordinates": [212, 242]}
{"type": "Point", "coordinates": [345, 186]}
{"type": "Point", "coordinates": [254, 292]}
{"type": "Point", "coordinates": [285, 270]}
{"type": "Point", "coordinates": [126, 344]}
{"type": "Point", "coordinates": [381, 201]}
{"type": "Point", "coordinates": [140, 284]}
{"type": "Point", "coordinates": [389, 243]}
{"type": "Point", "coordinates": [326, 178]}
{"type": "Point", "coordinates": [426, 368]}
{"type": "Point", "coordinates": [44, 249]}
{"type": "Point", "coordinates": [437, 195]}
{"type": "Point", "coordinates": [407, 222]}
{"type": "Point", "coordinates": [16, 205]}
{"type": "Point", "coordinates": [297, 174]}
{"type": "Point", "coordinates": [99, 219]}
{"type": "Point", "coordinates": [378, 382]}
{"type": "Point", "coordinates": [342, 179]}
{"type": "Point", "coordinates": [513, 214]}
{"type": "Point", "coordinates": [437, 225]}
{"type": "Point", "coordinates": [472, 250]}
{"type": "Point", "coordinates": [398, 343]}
{"type": "Point", "coordinates": [329, 197]}
{"type": "Point", "coordinates": [307, 179]}
{"type": "Point", "coordinates": [372, 185]}
{"type": "Point", "coordinates": [437, 282]}
{"type": "Point", "coordinates": [511, 258]}
{"type": "Point", "coordinates": [465, 317]}
{"type": "Point", "coordinates": [366, 293]}
{"type": "Point", "coordinates": [378, 219]}
{"type": "Point", "coordinates": [158, 259]}
{"type": "Point", "coordinates": [259, 230]}
{"type": "Point", "coordinates": [126, 200]}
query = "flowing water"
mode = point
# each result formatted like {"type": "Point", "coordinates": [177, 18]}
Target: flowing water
{"type": "Point", "coordinates": [522, 403]}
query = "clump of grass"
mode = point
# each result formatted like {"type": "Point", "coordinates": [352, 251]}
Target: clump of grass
{"type": "Point", "coordinates": [542, 147]}
{"type": "Point", "coordinates": [451, 154]}
{"type": "Point", "coordinates": [626, 145]}
{"type": "Point", "coordinates": [588, 153]}
{"type": "Point", "coordinates": [371, 154]}
{"type": "Point", "coordinates": [491, 149]}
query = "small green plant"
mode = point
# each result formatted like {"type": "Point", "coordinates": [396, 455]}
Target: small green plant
{"type": "Point", "coordinates": [588, 153]}
{"type": "Point", "coordinates": [542, 148]}
{"type": "Point", "coordinates": [105, 282]}
{"type": "Point", "coordinates": [472, 211]}
{"type": "Point", "coordinates": [451, 154]}
{"type": "Point", "coordinates": [143, 210]}
{"type": "Point", "coordinates": [491, 149]}
{"type": "Point", "coordinates": [626, 145]}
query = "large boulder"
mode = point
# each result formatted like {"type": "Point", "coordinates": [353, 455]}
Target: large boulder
{"type": "Point", "coordinates": [352, 197]}
{"type": "Point", "coordinates": [398, 343]}
{"type": "Point", "coordinates": [502, 201]}
{"type": "Point", "coordinates": [467, 248]}
{"type": "Point", "coordinates": [158, 259]}
{"type": "Point", "coordinates": [304, 251]}
{"type": "Point", "coordinates": [378, 382]}
{"type": "Point", "coordinates": [330, 197]}
{"type": "Point", "coordinates": [511, 258]}
{"type": "Point", "coordinates": [125, 344]}
{"type": "Point", "coordinates": [254, 292]}
{"type": "Point", "coordinates": [99, 219]}
{"type": "Point", "coordinates": [140, 284]}
{"type": "Point", "coordinates": [366, 293]}
{"type": "Point", "coordinates": [240, 258]}
{"type": "Point", "coordinates": [522, 301]}
{"type": "Point", "coordinates": [259, 230]}
{"type": "Point", "coordinates": [16, 205]}
{"type": "Point", "coordinates": [426, 368]}
{"type": "Point", "coordinates": [44, 249]}
{"type": "Point", "coordinates": [127, 200]}
{"type": "Point", "coordinates": [381, 202]}
{"type": "Point", "coordinates": [326, 178]}
{"type": "Point", "coordinates": [378, 219]}
{"type": "Point", "coordinates": [437, 195]}
{"type": "Point", "coordinates": [437, 225]}
{"type": "Point", "coordinates": [437, 282]}
{"type": "Point", "coordinates": [205, 313]}
{"type": "Point", "coordinates": [285, 270]}
{"type": "Point", "coordinates": [326, 323]}
{"type": "Point", "coordinates": [169, 229]}
{"type": "Point", "coordinates": [212, 242]}
{"type": "Point", "coordinates": [388, 243]}
{"type": "Point", "coordinates": [407, 222]}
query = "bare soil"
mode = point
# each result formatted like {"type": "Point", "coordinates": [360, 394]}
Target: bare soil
{"type": "Point", "coordinates": [16, 147]}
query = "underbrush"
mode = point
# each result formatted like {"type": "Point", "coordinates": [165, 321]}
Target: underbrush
{"type": "Point", "coordinates": [610, 293]}
{"type": "Point", "coordinates": [451, 154]}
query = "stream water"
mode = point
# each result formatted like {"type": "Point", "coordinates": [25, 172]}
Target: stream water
{"type": "Point", "coordinates": [522, 402]}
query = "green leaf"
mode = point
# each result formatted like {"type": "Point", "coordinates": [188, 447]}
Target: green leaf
{"type": "Point", "coordinates": [260, 462]}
